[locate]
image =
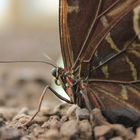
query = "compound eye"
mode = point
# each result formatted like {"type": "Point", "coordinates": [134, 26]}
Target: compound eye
{"type": "Point", "coordinates": [54, 72]}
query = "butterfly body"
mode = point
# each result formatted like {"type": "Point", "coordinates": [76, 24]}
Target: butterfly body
{"type": "Point", "coordinates": [69, 83]}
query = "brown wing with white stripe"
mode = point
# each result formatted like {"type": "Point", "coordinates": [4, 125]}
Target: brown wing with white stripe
{"type": "Point", "coordinates": [118, 55]}
{"type": "Point", "coordinates": [115, 69]}
{"type": "Point", "coordinates": [101, 41]}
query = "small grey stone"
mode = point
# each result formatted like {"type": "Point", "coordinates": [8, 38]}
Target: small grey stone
{"type": "Point", "coordinates": [82, 114]}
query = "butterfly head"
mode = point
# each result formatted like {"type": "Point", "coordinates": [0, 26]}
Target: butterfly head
{"type": "Point", "coordinates": [57, 73]}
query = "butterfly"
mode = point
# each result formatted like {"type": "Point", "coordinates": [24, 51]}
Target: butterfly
{"type": "Point", "coordinates": [100, 44]}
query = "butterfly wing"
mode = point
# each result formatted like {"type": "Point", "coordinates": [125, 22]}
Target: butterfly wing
{"type": "Point", "coordinates": [115, 65]}
{"type": "Point", "coordinates": [76, 18]}
{"type": "Point", "coordinates": [115, 70]}
{"type": "Point", "coordinates": [118, 70]}
{"type": "Point", "coordinates": [74, 25]}
{"type": "Point", "coordinates": [106, 51]}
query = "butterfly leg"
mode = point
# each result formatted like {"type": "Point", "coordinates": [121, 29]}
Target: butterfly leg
{"type": "Point", "coordinates": [95, 114]}
{"type": "Point", "coordinates": [86, 100]}
{"type": "Point", "coordinates": [40, 103]}
{"type": "Point", "coordinates": [38, 107]}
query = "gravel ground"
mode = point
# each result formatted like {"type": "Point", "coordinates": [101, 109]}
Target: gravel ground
{"type": "Point", "coordinates": [60, 122]}
{"type": "Point", "coordinates": [64, 122]}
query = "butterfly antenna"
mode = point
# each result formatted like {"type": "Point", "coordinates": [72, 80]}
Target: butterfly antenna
{"type": "Point", "coordinates": [49, 58]}
{"type": "Point", "coordinates": [29, 61]}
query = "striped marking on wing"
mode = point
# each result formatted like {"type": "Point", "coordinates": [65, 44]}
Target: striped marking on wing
{"type": "Point", "coordinates": [132, 68]}
{"type": "Point", "coordinates": [123, 92]}
{"type": "Point", "coordinates": [136, 20]}
{"type": "Point", "coordinates": [105, 71]}
{"type": "Point", "coordinates": [109, 94]}
{"type": "Point", "coordinates": [112, 43]}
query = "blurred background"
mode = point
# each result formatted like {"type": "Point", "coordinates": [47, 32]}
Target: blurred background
{"type": "Point", "coordinates": [29, 30]}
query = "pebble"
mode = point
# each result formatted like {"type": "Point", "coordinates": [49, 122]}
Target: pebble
{"type": "Point", "coordinates": [2, 122]}
{"type": "Point", "coordinates": [29, 137]}
{"type": "Point", "coordinates": [71, 112]}
{"type": "Point", "coordinates": [69, 128]}
{"type": "Point", "coordinates": [8, 113]}
{"type": "Point", "coordinates": [102, 138]}
{"type": "Point", "coordinates": [64, 119]}
{"type": "Point", "coordinates": [71, 123]}
{"type": "Point", "coordinates": [53, 122]}
{"type": "Point", "coordinates": [61, 109]}
{"type": "Point", "coordinates": [51, 134]}
{"type": "Point", "coordinates": [10, 134]}
{"type": "Point", "coordinates": [108, 131]}
{"type": "Point", "coordinates": [37, 131]}
{"type": "Point", "coordinates": [46, 125]}
{"type": "Point", "coordinates": [137, 137]}
{"type": "Point", "coordinates": [85, 130]}
{"type": "Point", "coordinates": [32, 127]}
{"type": "Point", "coordinates": [103, 131]}
{"type": "Point", "coordinates": [120, 130]}
{"type": "Point", "coordinates": [46, 111]}
{"type": "Point", "coordinates": [54, 117]}
{"type": "Point", "coordinates": [40, 119]}
{"type": "Point", "coordinates": [21, 119]}
{"type": "Point", "coordinates": [20, 116]}
{"type": "Point", "coordinates": [117, 138]}
{"type": "Point", "coordinates": [82, 114]}
{"type": "Point", "coordinates": [98, 118]}
{"type": "Point", "coordinates": [24, 110]}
